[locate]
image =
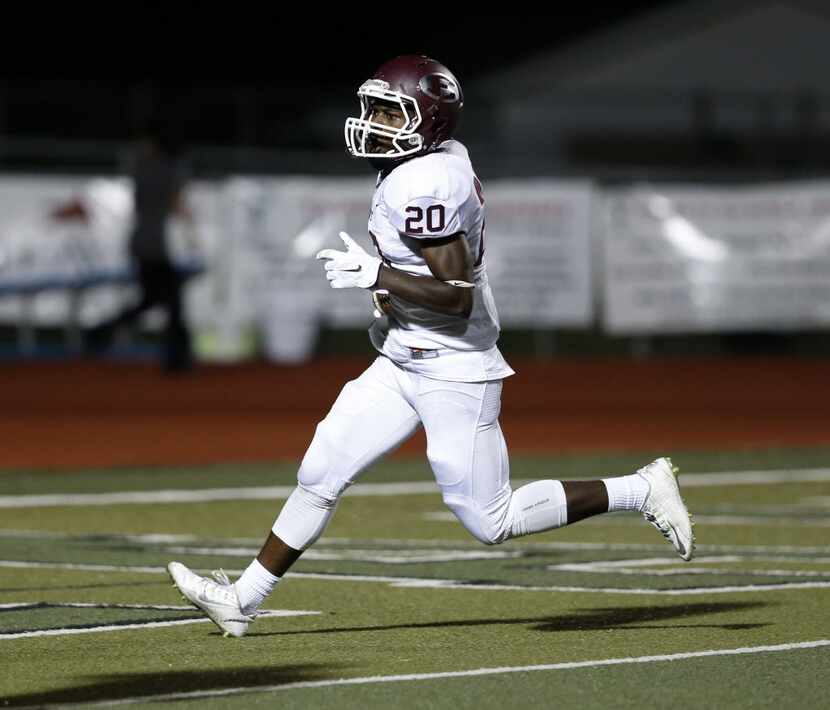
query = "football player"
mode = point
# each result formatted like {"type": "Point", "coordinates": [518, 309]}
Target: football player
{"type": "Point", "coordinates": [438, 365]}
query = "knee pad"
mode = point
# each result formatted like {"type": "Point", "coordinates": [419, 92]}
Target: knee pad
{"type": "Point", "coordinates": [488, 524]}
{"type": "Point", "coordinates": [320, 470]}
{"type": "Point", "coordinates": [533, 508]}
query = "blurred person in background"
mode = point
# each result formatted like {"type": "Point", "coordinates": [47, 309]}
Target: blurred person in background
{"type": "Point", "coordinates": [159, 177]}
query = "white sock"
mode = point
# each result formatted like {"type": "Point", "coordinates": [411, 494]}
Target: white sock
{"type": "Point", "coordinates": [626, 492]}
{"type": "Point", "coordinates": [252, 588]}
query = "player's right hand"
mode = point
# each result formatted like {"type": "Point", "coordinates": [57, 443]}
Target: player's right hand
{"type": "Point", "coordinates": [353, 268]}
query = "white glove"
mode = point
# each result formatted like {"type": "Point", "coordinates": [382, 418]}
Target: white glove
{"type": "Point", "coordinates": [353, 268]}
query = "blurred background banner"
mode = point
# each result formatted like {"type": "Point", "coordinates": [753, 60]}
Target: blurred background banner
{"type": "Point", "coordinates": [257, 238]}
{"type": "Point", "coordinates": [538, 251]}
{"type": "Point", "coordinates": [61, 273]}
{"type": "Point", "coordinates": [667, 258]}
{"type": "Point", "coordinates": [39, 255]}
{"type": "Point", "coordinates": [655, 178]}
{"type": "Point", "coordinates": [706, 259]}
{"type": "Point", "coordinates": [263, 276]}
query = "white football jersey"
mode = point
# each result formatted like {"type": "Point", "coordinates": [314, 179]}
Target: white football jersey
{"type": "Point", "coordinates": [429, 197]}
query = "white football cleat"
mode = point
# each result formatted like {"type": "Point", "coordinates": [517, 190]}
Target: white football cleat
{"type": "Point", "coordinates": [216, 597]}
{"type": "Point", "coordinates": [665, 509]}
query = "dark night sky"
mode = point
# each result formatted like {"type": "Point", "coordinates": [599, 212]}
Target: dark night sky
{"type": "Point", "coordinates": [469, 45]}
{"type": "Point", "coordinates": [93, 81]}
{"type": "Point", "coordinates": [175, 42]}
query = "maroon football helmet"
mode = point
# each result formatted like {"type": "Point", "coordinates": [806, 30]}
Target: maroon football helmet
{"type": "Point", "coordinates": [428, 95]}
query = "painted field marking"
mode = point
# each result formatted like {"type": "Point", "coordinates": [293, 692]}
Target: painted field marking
{"type": "Point", "coordinates": [203, 495]}
{"type": "Point", "coordinates": [439, 516]}
{"type": "Point", "coordinates": [140, 538]}
{"type": "Point", "coordinates": [503, 670]}
{"type": "Point", "coordinates": [82, 567]}
{"type": "Point", "coordinates": [426, 583]}
{"type": "Point", "coordinates": [790, 558]}
{"type": "Point", "coordinates": [763, 521]}
{"type": "Point", "coordinates": [816, 506]}
{"type": "Point", "coordinates": [13, 635]}
{"type": "Point", "coordinates": [638, 567]}
{"type": "Point", "coordinates": [391, 557]}
{"type": "Point", "coordinates": [531, 544]}
{"type": "Point", "coordinates": [754, 478]}
{"type": "Point", "coordinates": [797, 519]}
{"type": "Point", "coordinates": [440, 551]}
{"type": "Point", "coordinates": [522, 543]}
{"type": "Point", "coordinates": [414, 555]}
{"type": "Point", "coordinates": [94, 605]}
{"type": "Point", "coordinates": [733, 478]}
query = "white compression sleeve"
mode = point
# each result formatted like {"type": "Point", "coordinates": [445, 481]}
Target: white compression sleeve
{"type": "Point", "coordinates": [538, 506]}
{"type": "Point", "coordinates": [303, 518]}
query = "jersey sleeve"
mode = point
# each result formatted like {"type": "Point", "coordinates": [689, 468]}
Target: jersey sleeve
{"type": "Point", "coordinates": [427, 218]}
{"type": "Point", "coordinates": [427, 200]}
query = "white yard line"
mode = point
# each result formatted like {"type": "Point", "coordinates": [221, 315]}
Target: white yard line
{"type": "Point", "coordinates": [790, 558]}
{"type": "Point", "coordinates": [203, 495]}
{"type": "Point", "coordinates": [680, 572]}
{"type": "Point", "coordinates": [731, 478]}
{"type": "Point", "coordinates": [796, 520]}
{"type": "Point", "coordinates": [127, 627]}
{"type": "Point", "coordinates": [682, 591]}
{"type": "Point", "coordinates": [638, 567]}
{"type": "Point", "coordinates": [613, 565]}
{"type": "Point", "coordinates": [356, 554]}
{"type": "Point", "coordinates": [754, 478]}
{"type": "Point", "coordinates": [522, 543]}
{"type": "Point", "coordinates": [329, 547]}
{"type": "Point", "coordinates": [95, 605]}
{"type": "Point", "coordinates": [503, 670]}
{"type": "Point", "coordinates": [425, 583]}
{"type": "Point", "coordinates": [764, 521]}
{"type": "Point", "coordinates": [99, 629]}
{"type": "Point", "coordinates": [82, 566]}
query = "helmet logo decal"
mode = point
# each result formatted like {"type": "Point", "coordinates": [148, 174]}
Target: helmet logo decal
{"type": "Point", "coordinates": [440, 87]}
{"type": "Point", "coordinates": [378, 84]}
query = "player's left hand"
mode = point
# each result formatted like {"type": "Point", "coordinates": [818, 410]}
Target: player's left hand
{"type": "Point", "coordinates": [353, 268]}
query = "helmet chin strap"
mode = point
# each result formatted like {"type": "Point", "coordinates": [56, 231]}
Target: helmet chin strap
{"type": "Point", "coordinates": [381, 164]}
{"type": "Point", "coordinates": [387, 165]}
{"type": "Point", "coordinates": [391, 161]}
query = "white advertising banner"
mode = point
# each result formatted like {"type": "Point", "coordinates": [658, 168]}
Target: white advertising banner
{"type": "Point", "coordinates": [537, 250]}
{"type": "Point", "coordinates": [277, 225]}
{"type": "Point", "coordinates": [705, 259]}
{"type": "Point", "coordinates": [257, 238]}
{"type": "Point", "coordinates": [38, 251]}
{"type": "Point", "coordinates": [44, 258]}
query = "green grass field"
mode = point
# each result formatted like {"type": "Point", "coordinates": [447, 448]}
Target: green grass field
{"type": "Point", "coordinates": [398, 607]}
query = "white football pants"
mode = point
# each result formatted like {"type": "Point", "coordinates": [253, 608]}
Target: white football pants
{"type": "Point", "coordinates": [377, 412]}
